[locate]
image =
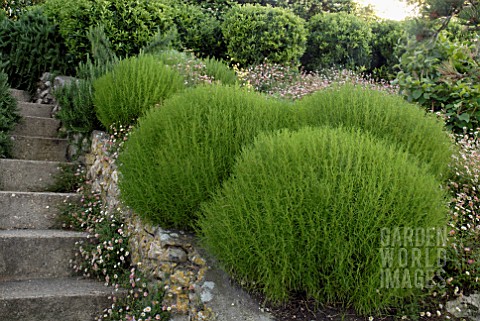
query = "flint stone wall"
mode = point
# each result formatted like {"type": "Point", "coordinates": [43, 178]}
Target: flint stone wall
{"type": "Point", "coordinates": [165, 256]}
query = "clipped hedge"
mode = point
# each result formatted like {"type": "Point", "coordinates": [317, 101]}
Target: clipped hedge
{"type": "Point", "coordinates": [181, 152]}
{"type": "Point", "coordinates": [303, 213]}
{"type": "Point", "coordinates": [14, 8]}
{"type": "Point", "coordinates": [131, 24]}
{"type": "Point", "coordinates": [337, 39]}
{"type": "Point", "coordinates": [386, 37]}
{"type": "Point", "coordinates": [9, 116]}
{"type": "Point", "coordinates": [384, 115]}
{"type": "Point", "coordinates": [132, 87]}
{"type": "Point", "coordinates": [254, 33]}
{"type": "Point", "coordinates": [199, 30]}
{"type": "Point", "coordinates": [74, 18]}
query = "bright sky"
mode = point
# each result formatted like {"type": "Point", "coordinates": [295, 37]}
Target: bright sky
{"type": "Point", "coordinates": [390, 9]}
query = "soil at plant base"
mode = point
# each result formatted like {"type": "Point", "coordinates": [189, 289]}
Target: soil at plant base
{"type": "Point", "coordinates": [301, 309]}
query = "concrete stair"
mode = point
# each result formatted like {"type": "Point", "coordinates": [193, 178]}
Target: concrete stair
{"type": "Point", "coordinates": [36, 275]}
{"type": "Point", "coordinates": [35, 110]}
{"type": "Point", "coordinates": [44, 253]}
{"type": "Point", "coordinates": [25, 210]}
{"type": "Point", "coordinates": [20, 95]}
{"type": "Point", "coordinates": [37, 126]}
{"type": "Point", "coordinates": [40, 148]}
{"type": "Point", "coordinates": [27, 175]}
{"type": "Point", "coordinates": [51, 299]}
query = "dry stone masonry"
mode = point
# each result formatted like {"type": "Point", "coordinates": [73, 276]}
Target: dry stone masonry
{"type": "Point", "coordinates": [195, 289]}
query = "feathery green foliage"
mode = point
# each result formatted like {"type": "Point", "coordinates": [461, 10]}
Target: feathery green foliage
{"type": "Point", "coordinates": [182, 151]}
{"type": "Point", "coordinates": [131, 88]}
{"type": "Point", "coordinates": [386, 116]}
{"type": "Point", "coordinates": [303, 211]}
{"type": "Point", "coordinates": [8, 115]}
{"type": "Point", "coordinates": [77, 111]}
{"type": "Point", "coordinates": [195, 69]}
{"type": "Point", "coordinates": [218, 70]}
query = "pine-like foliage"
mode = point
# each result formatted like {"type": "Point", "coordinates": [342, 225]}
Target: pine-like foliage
{"type": "Point", "coordinates": [29, 47]}
{"type": "Point", "coordinates": [181, 152]}
{"type": "Point", "coordinates": [132, 87]}
{"type": "Point", "coordinates": [8, 115]}
{"type": "Point", "coordinates": [384, 115]}
{"type": "Point", "coordinates": [303, 211]}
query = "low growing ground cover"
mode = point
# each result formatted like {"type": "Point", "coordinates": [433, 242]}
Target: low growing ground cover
{"type": "Point", "coordinates": [107, 257]}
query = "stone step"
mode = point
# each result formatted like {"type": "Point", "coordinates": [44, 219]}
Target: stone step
{"type": "Point", "coordinates": [39, 148]}
{"type": "Point", "coordinates": [28, 175]}
{"type": "Point", "coordinates": [20, 95]}
{"type": "Point", "coordinates": [35, 110]}
{"type": "Point", "coordinates": [37, 126]}
{"type": "Point", "coordinates": [67, 299]}
{"type": "Point", "coordinates": [35, 254]}
{"type": "Point", "coordinates": [28, 210]}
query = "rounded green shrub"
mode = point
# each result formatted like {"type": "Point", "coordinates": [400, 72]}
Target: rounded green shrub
{"type": "Point", "coordinates": [9, 116]}
{"type": "Point", "coordinates": [337, 39]}
{"type": "Point", "coordinates": [254, 33]}
{"type": "Point", "coordinates": [132, 87]}
{"type": "Point", "coordinates": [131, 24]}
{"type": "Point", "coordinates": [386, 36]}
{"type": "Point", "coordinates": [386, 116]}
{"type": "Point", "coordinates": [199, 30]}
{"type": "Point", "coordinates": [181, 152]}
{"type": "Point", "coordinates": [190, 66]}
{"type": "Point", "coordinates": [14, 8]}
{"type": "Point", "coordinates": [74, 18]}
{"type": "Point", "coordinates": [304, 212]}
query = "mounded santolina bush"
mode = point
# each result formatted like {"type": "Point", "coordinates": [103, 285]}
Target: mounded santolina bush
{"type": "Point", "coordinates": [254, 33]}
{"type": "Point", "coordinates": [131, 88]}
{"type": "Point", "coordinates": [181, 152]}
{"type": "Point", "coordinates": [303, 213]}
{"type": "Point", "coordinates": [386, 116]}
{"type": "Point", "coordinates": [337, 39]}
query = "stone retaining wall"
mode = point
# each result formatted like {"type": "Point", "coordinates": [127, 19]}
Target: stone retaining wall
{"type": "Point", "coordinates": [165, 256]}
